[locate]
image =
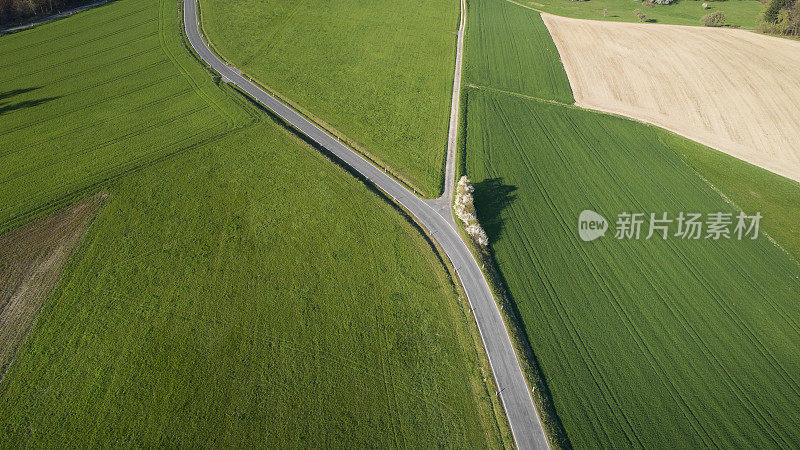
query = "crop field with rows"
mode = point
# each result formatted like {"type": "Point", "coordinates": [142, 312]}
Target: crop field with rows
{"type": "Point", "coordinates": [509, 49]}
{"type": "Point", "coordinates": [88, 98]}
{"type": "Point", "coordinates": [642, 341]}
{"type": "Point", "coordinates": [236, 287]}
{"type": "Point", "coordinates": [378, 72]}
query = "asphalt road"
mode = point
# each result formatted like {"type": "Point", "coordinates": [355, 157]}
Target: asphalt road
{"type": "Point", "coordinates": [443, 204]}
{"type": "Point", "coordinates": [525, 424]}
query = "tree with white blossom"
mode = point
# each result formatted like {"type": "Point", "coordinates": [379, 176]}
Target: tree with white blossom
{"type": "Point", "coordinates": [464, 207]}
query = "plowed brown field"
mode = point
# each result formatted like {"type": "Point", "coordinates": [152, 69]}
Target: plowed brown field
{"type": "Point", "coordinates": [732, 90]}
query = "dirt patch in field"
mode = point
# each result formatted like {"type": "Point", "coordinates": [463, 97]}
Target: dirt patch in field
{"type": "Point", "coordinates": [732, 90]}
{"type": "Point", "coordinates": [31, 259]}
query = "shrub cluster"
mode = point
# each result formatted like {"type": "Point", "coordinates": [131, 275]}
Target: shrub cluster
{"type": "Point", "coordinates": [464, 207]}
{"type": "Point", "coordinates": [715, 19]}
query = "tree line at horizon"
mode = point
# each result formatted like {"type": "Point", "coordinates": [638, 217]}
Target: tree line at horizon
{"type": "Point", "coordinates": [15, 10]}
{"type": "Point", "coordinates": [781, 17]}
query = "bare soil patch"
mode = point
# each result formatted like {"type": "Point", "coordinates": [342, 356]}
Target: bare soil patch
{"type": "Point", "coordinates": [31, 259]}
{"type": "Point", "coordinates": [732, 90]}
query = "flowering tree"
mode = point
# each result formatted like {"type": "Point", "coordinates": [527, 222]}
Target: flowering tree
{"type": "Point", "coordinates": [464, 208]}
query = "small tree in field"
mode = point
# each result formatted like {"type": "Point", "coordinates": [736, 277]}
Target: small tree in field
{"type": "Point", "coordinates": [640, 15]}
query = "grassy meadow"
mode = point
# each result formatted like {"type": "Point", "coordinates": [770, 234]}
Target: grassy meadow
{"type": "Point", "coordinates": [237, 288]}
{"type": "Point", "coordinates": [641, 342]}
{"type": "Point", "coordinates": [90, 97]}
{"type": "Point", "coordinates": [379, 73]}
{"type": "Point", "coordinates": [741, 13]}
{"type": "Point", "coordinates": [222, 299]}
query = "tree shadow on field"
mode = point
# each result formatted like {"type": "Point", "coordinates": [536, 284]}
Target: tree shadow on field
{"type": "Point", "coordinates": [13, 92]}
{"type": "Point", "coordinates": [491, 198]}
{"type": "Point", "coordinates": [6, 107]}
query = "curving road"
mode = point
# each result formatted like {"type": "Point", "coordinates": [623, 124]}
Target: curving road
{"type": "Point", "coordinates": [525, 424]}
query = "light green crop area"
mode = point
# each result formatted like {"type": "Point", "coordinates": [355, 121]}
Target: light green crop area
{"type": "Point", "coordinates": [237, 288]}
{"type": "Point", "coordinates": [91, 97]}
{"type": "Point", "coordinates": [378, 72]}
{"type": "Point", "coordinates": [510, 49]}
{"type": "Point", "coordinates": [641, 342]}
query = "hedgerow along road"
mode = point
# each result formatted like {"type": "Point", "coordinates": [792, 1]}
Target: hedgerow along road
{"type": "Point", "coordinates": [526, 426]}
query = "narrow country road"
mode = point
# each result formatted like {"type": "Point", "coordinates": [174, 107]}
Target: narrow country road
{"type": "Point", "coordinates": [443, 204]}
{"type": "Point", "coordinates": [525, 424]}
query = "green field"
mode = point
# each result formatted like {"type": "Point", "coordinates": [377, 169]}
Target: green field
{"type": "Point", "coordinates": [742, 13]}
{"type": "Point", "coordinates": [237, 288]}
{"type": "Point", "coordinates": [88, 98]}
{"type": "Point", "coordinates": [379, 73]}
{"type": "Point", "coordinates": [510, 49]}
{"type": "Point", "coordinates": [641, 342]}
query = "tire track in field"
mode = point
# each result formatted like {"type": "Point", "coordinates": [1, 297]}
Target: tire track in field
{"type": "Point", "coordinates": [61, 50]}
{"type": "Point", "coordinates": [112, 172]}
{"type": "Point", "coordinates": [510, 130]}
{"type": "Point", "coordinates": [81, 152]}
{"type": "Point", "coordinates": [386, 371]}
{"type": "Point", "coordinates": [80, 108]}
{"type": "Point", "coordinates": [268, 44]}
{"type": "Point", "coordinates": [95, 69]}
{"type": "Point", "coordinates": [162, 35]}
{"type": "Point", "coordinates": [64, 35]}
{"type": "Point", "coordinates": [84, 127]}
{"type": "Point", "coordinates": [80, 58]}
